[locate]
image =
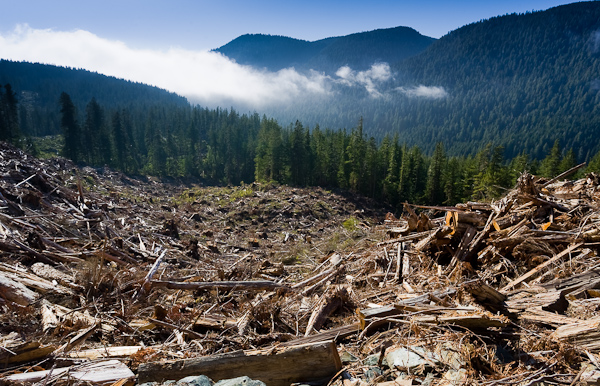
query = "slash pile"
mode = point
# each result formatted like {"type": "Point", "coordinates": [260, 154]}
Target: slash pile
{"type": "Point", "coordinates": [107, 279]}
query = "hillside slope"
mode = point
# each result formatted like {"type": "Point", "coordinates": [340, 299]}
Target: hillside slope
{"type": "Point", "coordinates": [521, 81]}
{"type": "Point", "coordinates": [40, 85]}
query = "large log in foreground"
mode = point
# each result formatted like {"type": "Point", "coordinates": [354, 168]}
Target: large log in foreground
{"type": "Point", "coordinates": [275, 367]}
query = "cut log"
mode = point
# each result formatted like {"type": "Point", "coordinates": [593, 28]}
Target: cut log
{"type": "Point", "coordinates": [455, 218]}
{"type": "Point", "coordinates": [275, 367]}
{"type": "Point", "coordinates": [97, 374]}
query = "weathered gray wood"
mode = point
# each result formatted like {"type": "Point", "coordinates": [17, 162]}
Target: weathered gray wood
{"type": "Point", "coordinates": [584, 333]}
{"type": "Point", "coordinates": [275, 367]}
{"type": "Point", "coordinates": [16, 292]}
{"type": "Point", "coordinates": [553, 300]}
{"type": "Point", "coordinates": [539, 316]}
{"type": "Point", "coordinates": [98, 374]}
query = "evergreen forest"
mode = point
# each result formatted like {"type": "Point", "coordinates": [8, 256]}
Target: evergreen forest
{"type": "Point", "coordinates": [221, 146]}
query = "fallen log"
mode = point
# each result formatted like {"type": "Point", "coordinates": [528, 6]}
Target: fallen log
{"type": "Point", "coordinates": [97, 374]}
{"type": "Point", "coordinates": [275, 366]}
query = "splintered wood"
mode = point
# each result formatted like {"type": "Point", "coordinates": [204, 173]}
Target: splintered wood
{"type": "Point", "coordinates": [105, 278]}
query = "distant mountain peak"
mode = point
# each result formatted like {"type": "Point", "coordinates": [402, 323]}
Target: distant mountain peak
{"type": "Point", "coordinates": [358, 50]}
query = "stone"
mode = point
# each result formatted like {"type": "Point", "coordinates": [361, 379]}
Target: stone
{"type": "Point", "coordinates": [201, 380]}
{"type": "Point", "coordinates": [240, 381]}
{"type": "Point", "coordinates": [410, 358]}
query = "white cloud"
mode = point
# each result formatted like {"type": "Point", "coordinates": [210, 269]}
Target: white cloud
{"type": "Point", "coordinates": [369, 79]}
{"type": "Point", "coordinates": [207, 78]}
{"type": "Point", "coordinates": [430, 92]}
{"type": "Point", "coordinates": [203, 77]}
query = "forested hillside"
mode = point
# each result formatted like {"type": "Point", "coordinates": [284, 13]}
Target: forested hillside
{"type": "Point", "coordinates": [38, 87]}
{"type": "Point", "coordinates": [359, 50]}
{"type": "Point", "coordinates": [521, 81]}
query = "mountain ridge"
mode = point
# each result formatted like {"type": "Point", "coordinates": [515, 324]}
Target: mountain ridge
{"type": "Point", "coordinates": [275, 52]}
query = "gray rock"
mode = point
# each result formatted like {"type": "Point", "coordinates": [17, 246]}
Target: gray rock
{"type": "Point", "coordinates": [201, 380]}
{"type": "Point", "coordinates": [409, 358]}
{"type": "Point", "coordinates": [240, 381]}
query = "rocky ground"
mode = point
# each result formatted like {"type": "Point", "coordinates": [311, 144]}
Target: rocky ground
{"type": "Point", "coordinates": [142, 280]}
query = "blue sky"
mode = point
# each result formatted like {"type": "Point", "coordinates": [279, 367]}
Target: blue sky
{"type": "Point", "coordinates": [167, 43]}
{"type": "Point", "coordinates": [204, 25]}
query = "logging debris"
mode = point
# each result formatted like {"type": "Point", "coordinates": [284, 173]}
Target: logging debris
{"type": "Point", "coordinates": [110, 279]}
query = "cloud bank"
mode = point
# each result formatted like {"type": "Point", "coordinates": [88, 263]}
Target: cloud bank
{"type": "Point", "coordinates": [206, 78]}
{"type": "Point", "coordinates": [203, 77]}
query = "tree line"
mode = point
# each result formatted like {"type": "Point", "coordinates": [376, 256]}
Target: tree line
{"type": "Point", "coordinates": [224, 147]}
{"type": "Point", "coordinates": [221, 146]}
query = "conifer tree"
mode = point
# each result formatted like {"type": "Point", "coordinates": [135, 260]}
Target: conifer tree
{"type": "Point", "coordinates": [550, 166]}
{"type": "Point", "coordinates": [9, 115]}
{"type": "Point", "coordinates": [434, 191]}
{"type": "Point", "coordinates": [70, 128]}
